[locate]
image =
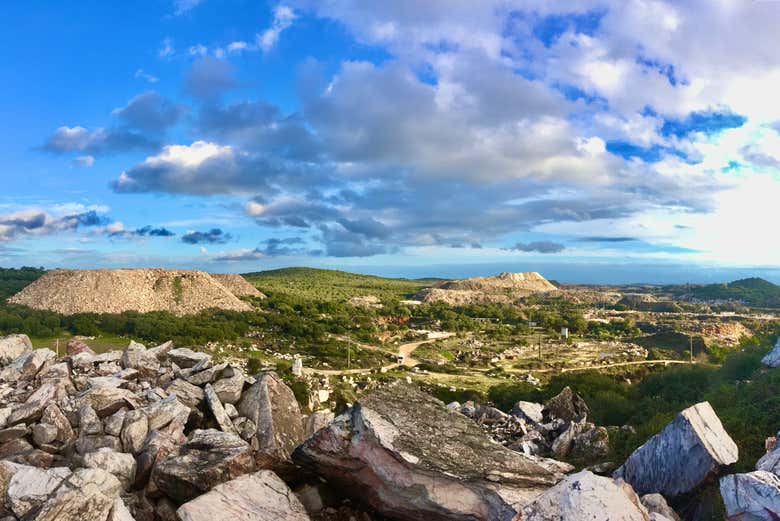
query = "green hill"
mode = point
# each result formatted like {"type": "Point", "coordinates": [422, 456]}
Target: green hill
{"type": "Point", "coordinates": [13, 280]}
{"type": "Point", "coordinates": [753, 291]}
{"type": "Point", "coordinates": [331, 285]}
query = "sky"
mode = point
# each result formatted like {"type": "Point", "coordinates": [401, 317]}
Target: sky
{"type": "Point", "coordinates": [625, 141]}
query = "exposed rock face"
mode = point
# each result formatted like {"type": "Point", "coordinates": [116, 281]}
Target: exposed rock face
{"type": "Point", "coordinates": [237, 285]}
{"type": "Point", "coordinates": [586, 496]}
{"type": "Point", "coordinates": [751, 497]}
{"type": "Point", "coordinates": [502, 288]}
{"type": "Point", "coordinates": [403, 453]}
{"type": "Point", "coordinates": [261, 496]}
{"type": "Point", "coordinates": [682, 455]}
{"type": "Point", "coordinates": [772, 358]}
{"type": "Point", "coordinates": [272, 407]}
{"type": "Point", "coordinates": [567, 406]}
{"type": "Point", "coordinates": [180, 292]}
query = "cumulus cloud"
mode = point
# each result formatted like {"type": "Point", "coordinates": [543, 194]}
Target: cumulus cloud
{"type": "Point", "coordinates": [209, 77]}
{"type": "Point", "coordinates": [83, 161]}
{"type": "Point", "coordinates": [213, 236]}
{"type": "Point", "coordinates": [96, 142]}
{"type": "Point", "coordinates": [150, 112]}
{"type": "Point", "coordinates": [33, 221]}
{"type": "Point", "coordinates": [181, 7]}
{"type": "Point", "coordinates": [117, 230]}
{"type": "Point", "coordinates": [283, 18]}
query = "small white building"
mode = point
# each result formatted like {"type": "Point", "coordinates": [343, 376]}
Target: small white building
{"type": "Point", "coordinates": [565, 333]}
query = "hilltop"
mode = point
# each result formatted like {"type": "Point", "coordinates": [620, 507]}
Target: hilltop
{"type": "Point", "coordinates": [502, 288]}
{"type": "Point", "coordinates": [180, 292]}
{"type": "Point", "coordinates": [332, 285]}
{"type": "Point", "coordinates": [753, 291]}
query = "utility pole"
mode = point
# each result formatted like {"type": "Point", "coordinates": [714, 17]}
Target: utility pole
{"type": "Point", "coordinates": [540, 346]}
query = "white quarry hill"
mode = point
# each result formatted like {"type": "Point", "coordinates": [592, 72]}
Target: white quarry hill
{"type": "Point", "coordinates": [237, 285]}
{"type": "Point", "coordinates": [501, 288]}
{"type": "Point", "coordinates": [180, 292]}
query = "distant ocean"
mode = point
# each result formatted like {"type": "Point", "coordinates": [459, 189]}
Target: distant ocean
{"type": "Point", "coordinates": [583, 273]}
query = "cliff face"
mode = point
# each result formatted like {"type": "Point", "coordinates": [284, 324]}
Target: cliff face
{"type": "Point", "coordinates": [180, 292]}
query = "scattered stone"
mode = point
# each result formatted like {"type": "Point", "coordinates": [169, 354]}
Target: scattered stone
{"type": "Point", "coordinates": [567, 406]}
{"type": "Point", "coordinates": [229, 389]}
{"type": "Point", "coordinates": [772, 358]}
{"type": "Point", "coordinates": [679, 458]}
{"type": "Point", "coordinates": [119, 464]}
{"type": "Point", "coordinates": [134, 431]}
{"type": "Point", "coordinates": [12, 347]}
{"type": "Point", "coordinates": [261, 496]}
{"type": "Point", "coordinates": [188, 394]}
{"type": "Point", "coordinates": [223, 420]}
{"type": "Point", "coordinates": [528, 411]}
{"type": "Point", "coordinates": [185, 357]}
{"type": "Point", "coordinates": [75, 347]}
{"type": "Point", "coordinates": [656, 504]}
{"type": "Point", "coordinates": [165, 411]}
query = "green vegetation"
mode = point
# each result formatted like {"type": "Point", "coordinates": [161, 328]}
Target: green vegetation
{"type": "Point", "coordinates": [752, 291]}
{"type": "Point", "coordinates": [13, 280]}
{"type": "Point", "coordinates": [311, 284]}
{"type": "Point", "coordinates": [178, 290]}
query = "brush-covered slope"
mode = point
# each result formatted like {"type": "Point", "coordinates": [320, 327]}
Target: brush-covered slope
{"type": "Point", "coordinates": [237, 285]}
{"type": "Point", "coordinates": [180, 292]}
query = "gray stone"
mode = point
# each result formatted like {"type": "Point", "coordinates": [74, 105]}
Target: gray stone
{"type": "Point", "coordinates": [223, 420]}
{"type": "Point", "coordinates": [134, 431]}
{"type": "Point", "coordinates": [209, 458]}
{"type": "Point", "coordinates": [229, 389]}
{"type": "Point", "coordinates": [119, 512]}
{"type": "Point", "coordinates": [44, 434]}
{"type": "Point", "coordinates": [87, 495]}
{"type": "Point", "coordinates": [772, 358]}
{"type": "Point", "coordinates": [417, 461]}
{"type": "Point", "coordinates": [754, 496]}
{"type": "Point", "coordinates": [121, 465]}
{"type": "Point", "coordinates": [108, 400]}
{"type": "Point", "coordinates": [261, 496]}
{"type": "Point", "coordinates": [272, 407]}
{"type": "Point", "coordinates": [188, 394]}
{"type": "Point", "coordinates": [567, 406]}
{"type": "Point", "coordinates": [245, 427]}
{"type": "Point", "coordinates": [30, 487]}
{"type": "Point", "coordinates": [11, 433]}
{"type": "Point", "coordinates": [679, 458]}
{"type": "Point", "coordinates": [27, 365]}
{"type": "Point", "coordinates": [89, 423]}
{"type": "Point", "coordinates": [586, 496]}
{"type": "Point", "coordinates": [185, 357]}
{"type": "Point", "coordinates": [137, 357]}
{"type": "Point", "coordinates": [165, 411]}
{"type": "Point", "coordinates": [316, 421]}
{"type": "Point", "coordinates": [113, 424]}
{"type": "Point", "coordinates": [32, 409]}
{"type": "Point", "coordinates": [528, 411]}
{"type": "Point", "coordinates": [231, 410]}
{"type": "Point", "coordinates": [656, 504]}
{"type": "Point", "coordinates": [53, 415]}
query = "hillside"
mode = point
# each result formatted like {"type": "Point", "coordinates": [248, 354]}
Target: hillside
{"type": "Point", "coordinates": [237, 285]}
{"type": "Point", "coordinates": [501, 288]}
{"type": "Point", "coordinates": [180, 292]}
{"type": "Point", "coordinates": [331, 285]}
{"type": "Point", "coordinates": [12, 280]}
{"type": "Point", "coordinates": [753, 291]}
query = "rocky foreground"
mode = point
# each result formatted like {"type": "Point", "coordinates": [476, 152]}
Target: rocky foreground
{"type": "Point", "coordinates": [165, 433]}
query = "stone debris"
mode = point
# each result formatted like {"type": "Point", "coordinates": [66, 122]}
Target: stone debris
{"type": "Point", "coordinates": [772, 358]}
{"type": "Point", "coordinates": [753, 496]}
{"type": "Point", "coordinates": [680, 457]}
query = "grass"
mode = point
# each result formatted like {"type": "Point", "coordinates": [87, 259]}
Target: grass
{"type": "Point", "coordinates": [99, 344]}
{"type": "Point", "coordinates": [331, 285]}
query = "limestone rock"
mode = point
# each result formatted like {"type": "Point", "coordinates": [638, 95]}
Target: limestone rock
{"type": "Point", "coordinates": [188, 394]}
{"type": "Point", "coordinates": [13, 346]}
{"type": "Point", "coordinates": [229, 389]}
{"type": "Point", "coordinates": [185, 357]}
{"type": "Point", "coordinates": [261, 496]}
{"type": "Point", "coordinates": [316, 421]}
{"type": "Point", "coordinates": [223, 420]}
{"type": "Point", "coordinates": [134, 431]}
{"type": "Point", "coordinates": [656, 504]}
{"type": "Point", "coordinates": [528, 411]}
{"type": "Point", "coordinates": [121, 465]}
{"type": "Point", "coordinates": [32, 409]}
{"type": "Point", "coordinates": [772, 358]}
{"type": "Point", "coordinates": [108, 400]}
{"type": "Point", "coordinates": [754, 496]}
{"type": "Point", "coordinates": [86, 495]}
{"type": "Point", "coordinates": [400, 451]}
{"type": "Point", "coordinates": [30, 487]}
{"type": "Point", "coordinates": [682, 455]}
{"type": "Point", "coordinates": [585, 496]}
{"type": "Point", "coordinates": [75, 347]}
{"type": "Point", "coordinates": [137, 357]}
{"type": "Point", "coordinates": [567, 406]}
{"type": "Point", "coordinates": [165, 411]}
{"type": "Point", "coordinates": [209, 458]}
{"type": "Point", "coordinates": [272, 407]}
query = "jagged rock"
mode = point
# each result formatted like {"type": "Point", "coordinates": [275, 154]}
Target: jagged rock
{"type": "Point", "coordinates": [161, 351]}
{"type": "Point", "coordinates": [656, 504]}
{"type": "Point", "coordinates": [165, 411]}
{"type": "Point", "coordinates": [134, 431]}
{"type": "Point", "coordinates": [316, 421]}
{"type": "Point", "coordinates": [209, 458]}
{"type": "Point", "coordinates": [86, 495]}
{"type": "Point", "coordinates": [113, 424]}
{"type": "Point", "coordinates": [92, 443]}
{"type": "Point", "coordinates": [75, 347]}
{"type": "Point", "coordinates": [137, 357]}
{"type": "Point", "coordinates": [245, 427]}
{"type": "Point", "coordinates": [30, 487]}
{"type": "Point", "coordinates": [567, 406]}
{"type": "Point", "coordinates": [188, 394]}
{"type": "Point", "coordinates": [229, 389]}
{"type": "Point", "coordinates": [223, 420]}
{"type": "Point", "coordinates": [272, 407]}
{"type": "Point", "coordinates": [400, 451]}
{"type": "Point", "coordinates": [27, 365]}
{"type": "Point", "coordinates": [185, 357]}
{"type": "Point", "coordinates": [121, 465]}
{"type": "Point", "coordinates": [485, 415]}
{"type": "Point", "coordinates": [591, 444]}
{"type": "Point", "coordinates": [772, 358]}
{"type": "Point", "coordinates": [682, 455]}
{"type": "Point", "coordinates": [32, 409]}
{"type": "Point", "coordinates": [108, 400]}
{"type": "Point", "coordinates": [119, 512]}
{"type": "Point", "coordinates": [89, 423]}
{"type": "Point", "coordinates": [13, 346]}
{"type": "Point", "coordinates": [53, 415]}
{"type": "Point", "coordinates": [528, 411]}
{"type": "Point", "coordinates": [754, 496]}
{"type": "Point", "coordinates": [586, 496]}
{"type": "Point", "coordinates": [231, 410]}
{"type": "Point", "coordinates": [44, 434]}
{"type": "Point", "coordinates": [106, 381]}
{"type": "Point", "coordinates": [157, 446]}
{"type": "Point", "coordinates": [12, 433]}
{"type": "Point", "coordinates": [261, 496]}
{"type": "Point", "coordinates": [204, 376]}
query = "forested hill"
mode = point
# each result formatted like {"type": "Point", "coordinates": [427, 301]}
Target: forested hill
{"type": "Point", "coordinates": [12, 280]}
{"type": "Point", "coordinates": [332, 285]}
{"type": "Point", "coordinates": [753, 291]}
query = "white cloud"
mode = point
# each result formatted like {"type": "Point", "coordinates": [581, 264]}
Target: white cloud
{"type": "Point", "coordinates": [166, 49]}
{"type": "Point", "coordinates": [283, 19]}
{"type": "Point", "coordinates": [140, 73]}
{"type": "Point", "coordinates": [84, 161]}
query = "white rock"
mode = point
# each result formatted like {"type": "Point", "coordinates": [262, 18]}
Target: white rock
{"type": "Point", "coordinates": [772, 358]}
{"type": "Point", "coordinates": [751, 497]}
{"type": "Point", "coordinates": [261, 496]}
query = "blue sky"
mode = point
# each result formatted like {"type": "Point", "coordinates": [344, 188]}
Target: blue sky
{"type": "Point", "coordinates": [236, 135]}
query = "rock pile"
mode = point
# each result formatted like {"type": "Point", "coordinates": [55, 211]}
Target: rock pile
{"type": "Point", "coordinates": [503, 288]}
{"type": "Point", "coordinates": [237, 285]}
{"type": "Point", "coordinates": [180, 292]}
{"type": "Point", "coordinates": [557, 429]}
